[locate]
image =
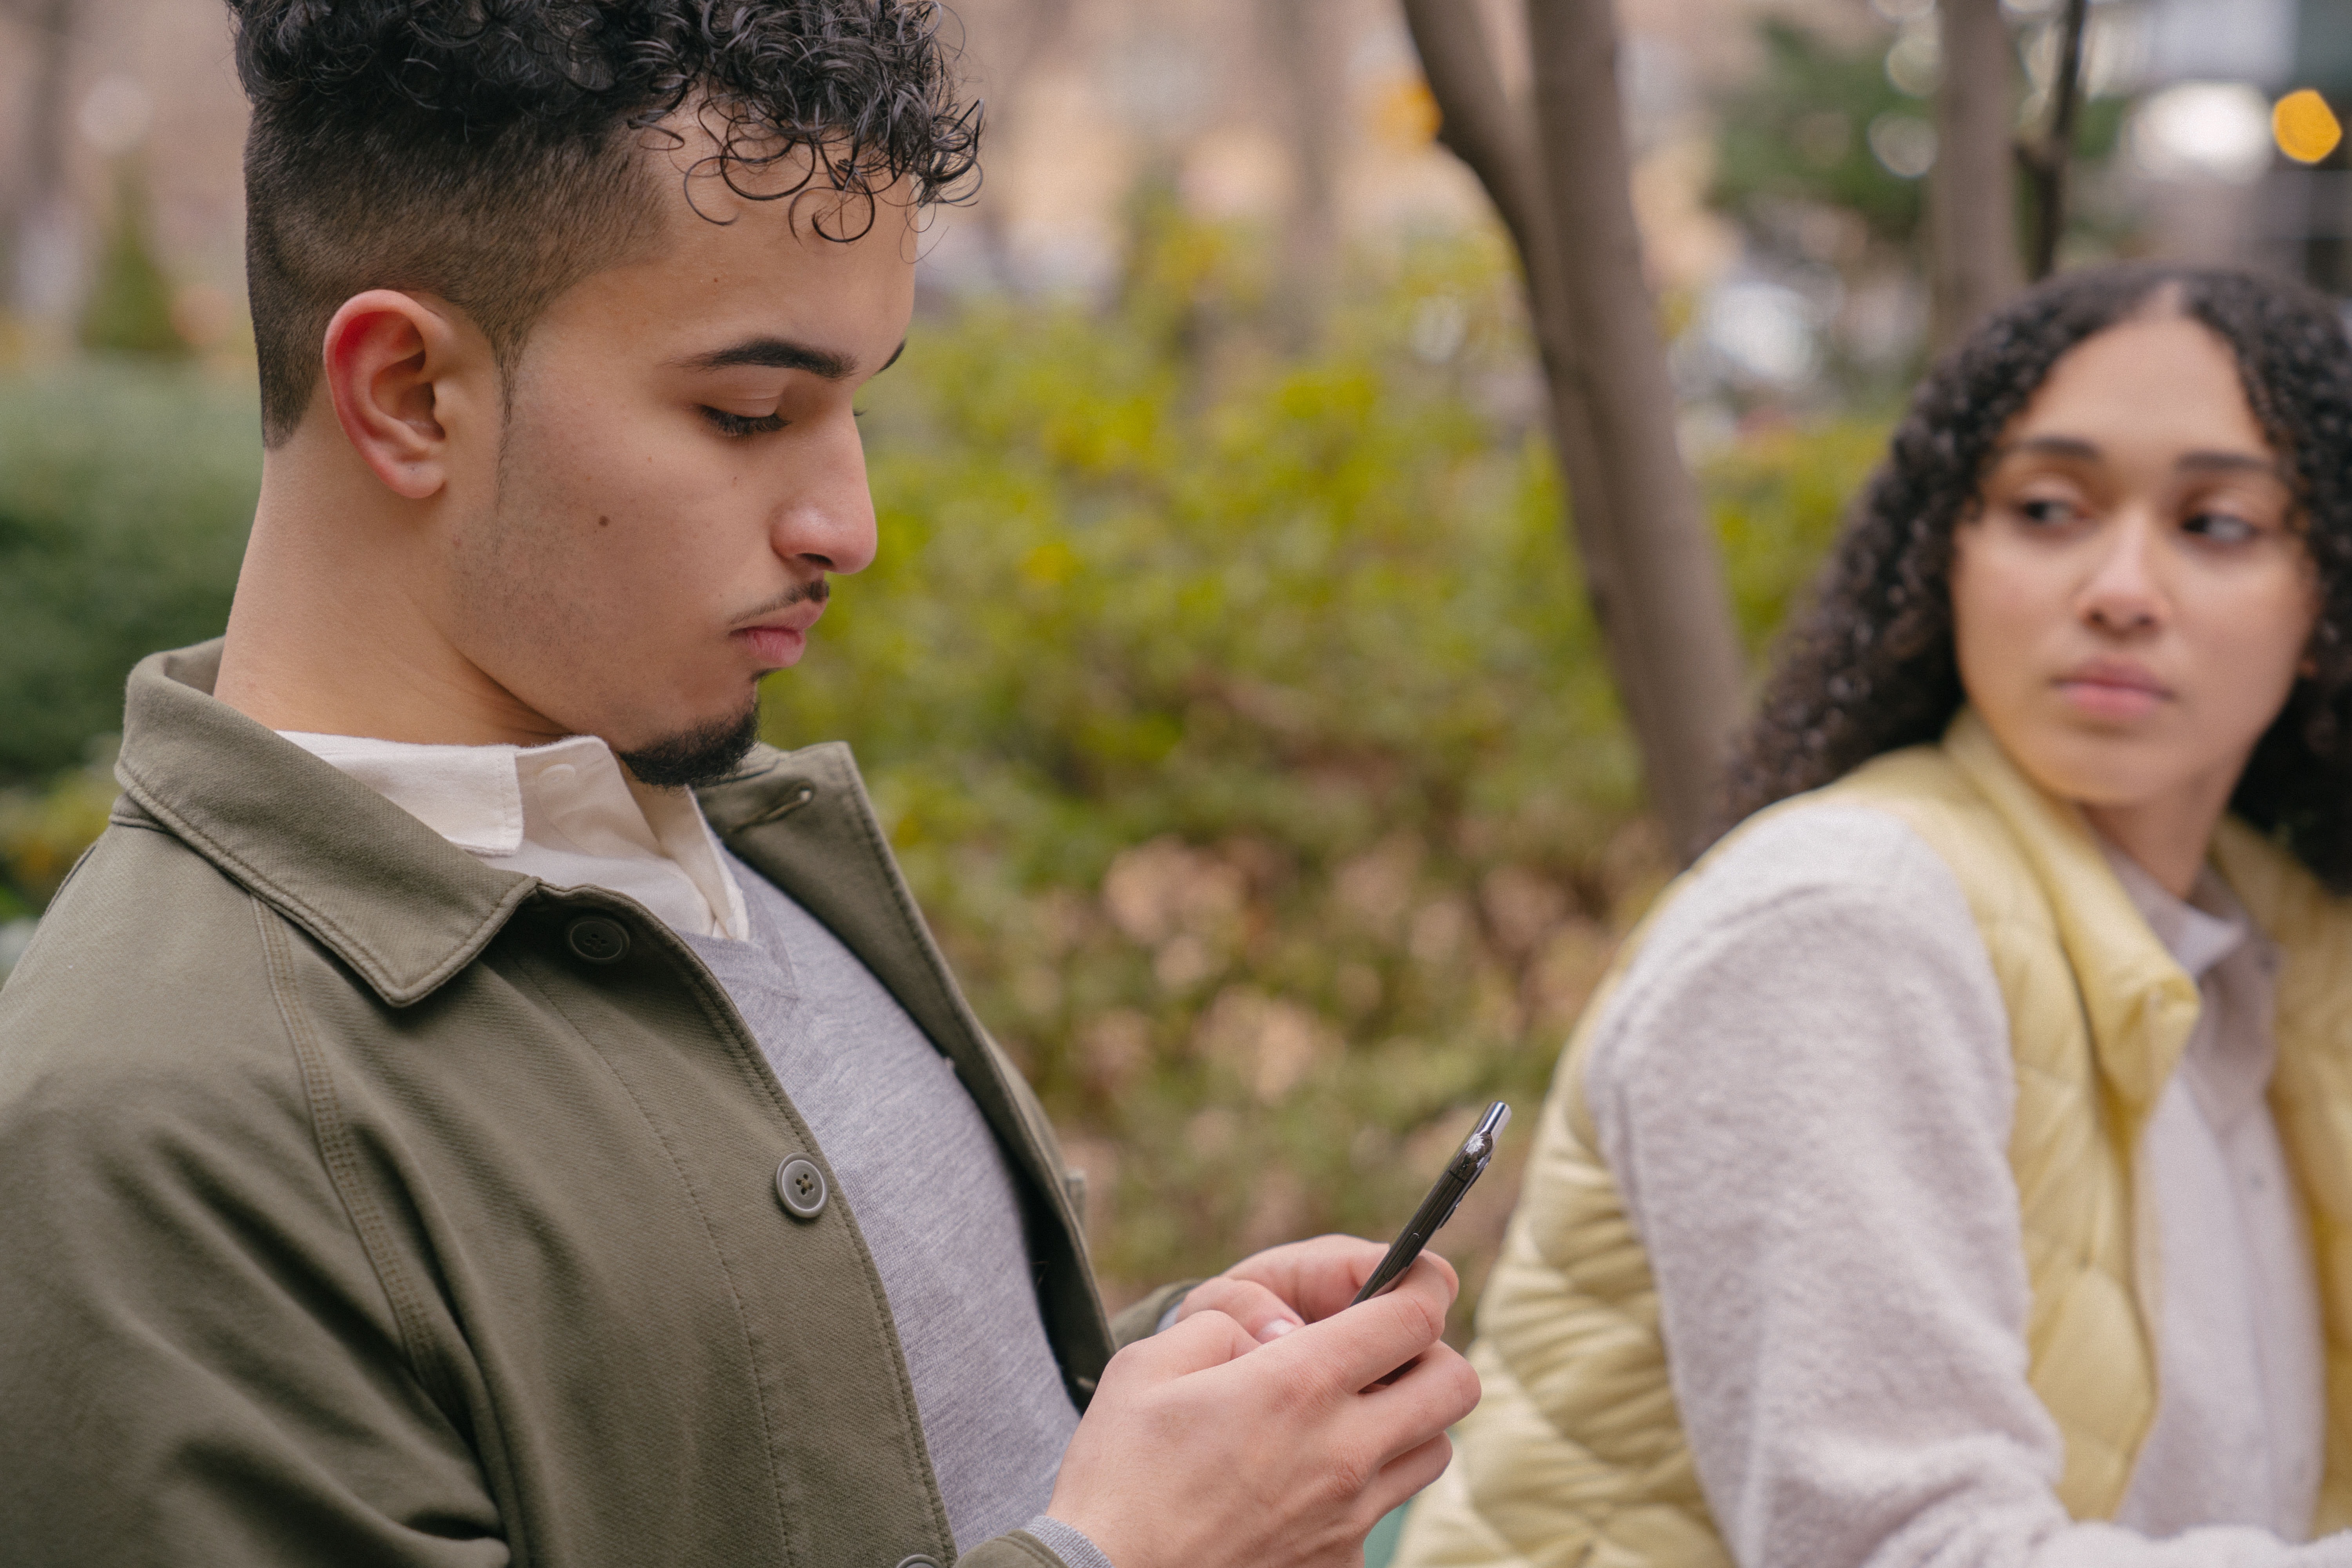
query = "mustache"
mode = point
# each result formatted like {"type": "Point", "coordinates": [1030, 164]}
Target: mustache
{"type": "Point", "coordinates": [816, 593]}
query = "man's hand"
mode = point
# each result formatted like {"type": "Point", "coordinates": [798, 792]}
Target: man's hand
{"type": "Point", "coordinates": [1272, 1293]}
{"type": "Point", "coordinates": [1204, 1448]}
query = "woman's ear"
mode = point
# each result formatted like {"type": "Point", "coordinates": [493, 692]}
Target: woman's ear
{"type": "Point", "coordinates": [385, 351]}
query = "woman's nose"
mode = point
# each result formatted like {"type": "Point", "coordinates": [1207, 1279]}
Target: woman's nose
{"type": "Point", "coordinates": [2124, 592]}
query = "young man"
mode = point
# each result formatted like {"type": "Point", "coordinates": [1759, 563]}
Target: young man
{"type": "Point", "coordinates": [474, 1106]}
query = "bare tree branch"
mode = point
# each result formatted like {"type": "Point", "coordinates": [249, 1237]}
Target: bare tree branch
{"type": "Point", "coordinates": [1476, 123]}
{"type": "Point", "coordinates": [2046, 165]}
{"type": "Point", "coordinates": [1971, 194]}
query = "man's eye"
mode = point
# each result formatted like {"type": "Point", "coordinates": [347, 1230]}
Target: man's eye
{"type": "Point", "coordinates": [741, 425]}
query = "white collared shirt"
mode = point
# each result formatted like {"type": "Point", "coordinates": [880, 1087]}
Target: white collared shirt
{"type": "Point", "coordinates": [567, 812]}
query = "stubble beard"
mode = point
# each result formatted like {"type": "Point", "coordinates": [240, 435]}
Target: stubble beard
{"type": "Point", "coordinates": [689, 758]}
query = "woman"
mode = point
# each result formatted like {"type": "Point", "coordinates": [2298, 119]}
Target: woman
{"type": "Point", "coordinates": [1958, 1166]}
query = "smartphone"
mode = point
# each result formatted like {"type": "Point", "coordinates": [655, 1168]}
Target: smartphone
{"type": "Point", "coordinates": [1469, 1164]}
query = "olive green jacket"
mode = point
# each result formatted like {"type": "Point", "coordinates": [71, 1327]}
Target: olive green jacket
{"type": "Point", "coordinates": [349, 1216]}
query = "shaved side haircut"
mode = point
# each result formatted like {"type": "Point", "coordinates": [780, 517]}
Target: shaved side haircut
{"type": "Point", "coordinates": [492, 151]}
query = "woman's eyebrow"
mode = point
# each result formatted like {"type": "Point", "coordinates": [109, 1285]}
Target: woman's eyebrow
{"type": "Point", "coordinates": [2073, 446]}
{"type": "Point", "coordinates": [2230, 462]}
{"type": "Point", "coordinates": [2076, 448]}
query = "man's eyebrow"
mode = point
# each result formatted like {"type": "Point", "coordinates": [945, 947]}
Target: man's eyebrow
{"type": "Point", "coordinates": [782, 353]}
{"type": "Point", "coordinates": [778, 354]}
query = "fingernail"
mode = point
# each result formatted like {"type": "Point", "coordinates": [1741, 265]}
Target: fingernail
{"type": "Point", "coordinates": [1276, 1329]}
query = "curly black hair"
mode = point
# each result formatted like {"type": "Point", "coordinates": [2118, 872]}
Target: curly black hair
{"type": "Point", "coordinates": [487, 150]}
{"type": "Point", "coordinates": [1870, 665]}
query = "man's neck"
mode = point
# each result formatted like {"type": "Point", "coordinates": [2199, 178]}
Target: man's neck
{"type": "Point", "coordinates": [325, 636]}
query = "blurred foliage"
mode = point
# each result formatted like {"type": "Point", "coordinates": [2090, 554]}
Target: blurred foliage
{"type": "Point", "coordinates": [1243, 729]}
{"type": "Point", "coordinates": [130, 305]}
{"type": "Point", "coordinates": [1239, 718]}
{"type": "Point", "coordinates": [125, 495]}
{"type": "Point", "coordinates": [1777, 497]}
{"type": "Point", "coordinates": [1799, 132]}
{"type": "Point", "coordinates": [44, 829]}
{"type": "Point", "coordinates": [1795, 142]}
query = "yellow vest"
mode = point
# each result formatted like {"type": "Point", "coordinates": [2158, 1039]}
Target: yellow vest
{"type": "Point", "coordinates": [1576, 1455]}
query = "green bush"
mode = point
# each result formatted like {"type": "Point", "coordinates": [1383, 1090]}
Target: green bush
{"type": "Point", "coordinates": [1244, 729]}
{"type": "Point", "coordinates": [125, 495]}
{"type": "Point", "coordinates": [130, 306]}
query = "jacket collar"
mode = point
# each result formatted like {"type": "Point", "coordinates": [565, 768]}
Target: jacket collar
{"type": "Point", "coordinates": [387, 895]}
{"type": "Point", "coordinates": [2141, 1004]}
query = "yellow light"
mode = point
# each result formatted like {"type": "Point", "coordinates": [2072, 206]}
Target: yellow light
{"type": "Point", "coordinates": [2306, 129]}
{"type": "Point", "coordinates": [1405, 114]}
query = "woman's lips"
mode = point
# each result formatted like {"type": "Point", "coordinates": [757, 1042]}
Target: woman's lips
{"type": "Point", "coordinates": [2112, 691]}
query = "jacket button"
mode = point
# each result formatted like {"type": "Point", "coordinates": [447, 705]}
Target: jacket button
{"type": "Point", "coordinates": [917, 1561]}
{"type": "Point", "coordinates": [801, 1187]}
{"type": "Point", "coordinates": [597, 938]}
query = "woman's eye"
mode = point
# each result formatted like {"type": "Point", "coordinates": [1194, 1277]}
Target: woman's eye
{"type": "Point", "coordinates": [2045, 509]}
{"type": "Point", "coordinates": [2221, 527]}
{"type": "Point", "coordinates": [741, 425]}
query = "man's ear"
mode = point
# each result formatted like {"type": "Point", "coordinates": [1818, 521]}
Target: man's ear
{"type": "Point", "coordinates": [392, 360]}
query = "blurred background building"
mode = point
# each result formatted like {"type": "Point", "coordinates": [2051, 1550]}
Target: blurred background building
{"type": "Point", "coordinates": [1780, 147]}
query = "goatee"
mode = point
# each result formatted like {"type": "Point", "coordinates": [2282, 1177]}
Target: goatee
{"type": "Point", "coordinates": [702, 755]}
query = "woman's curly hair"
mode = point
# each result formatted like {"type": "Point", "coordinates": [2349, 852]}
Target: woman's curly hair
{"type": "Point", "coordinates": [1870, 667]}
{"type": "Point", "coordinates": [487, 149]}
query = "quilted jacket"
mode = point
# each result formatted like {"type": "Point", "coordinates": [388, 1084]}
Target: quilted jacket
{"type": "Point", "coordinates": [1577, 1454]}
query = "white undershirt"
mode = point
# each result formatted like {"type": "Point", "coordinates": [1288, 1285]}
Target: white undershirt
{"type": "Point", "coordinates": [1805, 1089]}
{"type": "Point", "coordinates": [567, 812]}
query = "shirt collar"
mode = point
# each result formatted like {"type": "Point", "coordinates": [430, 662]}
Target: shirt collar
{"type": "Point", "coordinates": [567, 812]}
{"type": "Point", "coordinates": [2199, 930]}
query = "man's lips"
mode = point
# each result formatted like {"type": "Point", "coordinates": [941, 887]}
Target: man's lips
{"type": "Point", "coordinates": [2105, 689]}
{"type": "Point", "coordinates": [777, 642]}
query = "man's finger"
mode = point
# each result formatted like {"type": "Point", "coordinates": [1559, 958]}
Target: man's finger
{"type": "Point", "coordinates": [1365, 1343]}
{"type": "Point", "coordinates": [1439, 1389]}
{"type": "Point", "coordinates": [1263, 1315]}
{"type": "Point", "coordinates": [1404, 1477]}
{"type": "Point", "coordinates": [1196, 1343]}
{"type": "Point", "coordinates": [1317, 1277]}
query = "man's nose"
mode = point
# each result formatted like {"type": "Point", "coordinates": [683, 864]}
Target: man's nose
{"type": "Point", "coordinates": [828, 520]}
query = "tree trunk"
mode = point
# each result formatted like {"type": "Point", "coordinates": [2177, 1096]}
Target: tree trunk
{"type": "Point", "coordinates": [1497, 143]}
{"type": "Point", "coordinates": [1019, 34]}
{"type": "Point", "coordinates": [1682, 676]}
{"type": "Point", "coordinates": [1971, 194]}
{"type": "Point", "coordinates": [1299, 34]}
{"type": "Point", "coordinates": [38, 196]}
{"type": "Point", "coordinates": [1648, 558]}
